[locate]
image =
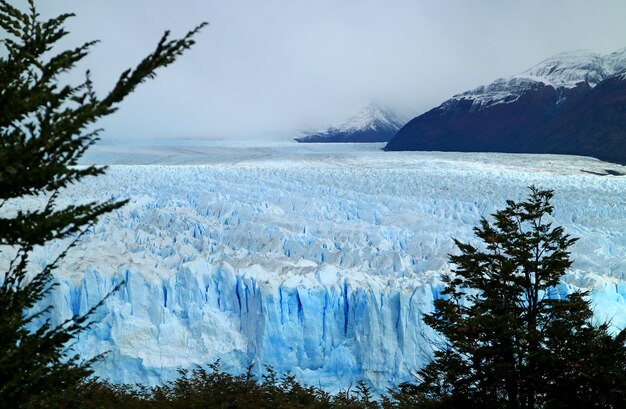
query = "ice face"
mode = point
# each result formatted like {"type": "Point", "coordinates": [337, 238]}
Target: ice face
{"type": "Point", "coordinates": [319, 260]}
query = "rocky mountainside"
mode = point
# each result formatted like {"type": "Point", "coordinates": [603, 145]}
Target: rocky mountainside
{"type": "Point", "coordinates": [573, 103]}
{"type": "Point", "coordinates": [371, 124]}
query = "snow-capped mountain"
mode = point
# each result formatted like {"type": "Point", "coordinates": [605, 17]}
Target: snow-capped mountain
{"type": "Point", "coordinates": [372, 124]}
{"type": "Point", "coordinates": [571, 103]}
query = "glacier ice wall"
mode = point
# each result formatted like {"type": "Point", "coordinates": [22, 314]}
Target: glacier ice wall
{"type": "Point", "coordinates": [321, 264]}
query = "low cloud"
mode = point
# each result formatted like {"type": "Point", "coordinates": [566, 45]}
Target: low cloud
{"type": "Point", "coordinates": [269, 69]}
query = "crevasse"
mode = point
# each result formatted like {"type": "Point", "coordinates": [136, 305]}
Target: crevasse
{"type": "Point", "coordinates": [321, 264]}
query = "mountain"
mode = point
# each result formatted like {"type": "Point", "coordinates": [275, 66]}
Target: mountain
{"type": "Point", "coordinates": [371, 124]}
{"type": "Point", "coordinates": [573, 103]}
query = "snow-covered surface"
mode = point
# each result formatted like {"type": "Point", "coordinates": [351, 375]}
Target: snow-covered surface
{"type": "Point", "coordinates": [317, 259]}
{"type": "Point", "coordinates": [372, 117]}
{"type": "Point", "coordinates": [369, 118]}
{"type": "Point", "coordinates": [570, 68]}
{"type": "Point", "coordinates": [565, 70]}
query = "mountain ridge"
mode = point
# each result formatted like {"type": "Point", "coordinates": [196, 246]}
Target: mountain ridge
{"type": "Point", "coordinates": [572, 103]}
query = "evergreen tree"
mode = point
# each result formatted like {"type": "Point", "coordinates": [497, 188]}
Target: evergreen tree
{"type": "Point", "coordinates": [45, 127]}
{"type": "Point", "coordinates": [511, 340]}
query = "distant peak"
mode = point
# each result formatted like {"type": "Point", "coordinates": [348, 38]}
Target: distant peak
{"type": "Point", "coordinates": [369, 116]}
{"type": "Point", "coordinates": [373, 120]}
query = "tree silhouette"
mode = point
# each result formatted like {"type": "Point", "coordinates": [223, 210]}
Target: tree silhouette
{"type": "Point", "coordinates": [512, 341]}
{"type": "Point", "coordinates": [45, 127]}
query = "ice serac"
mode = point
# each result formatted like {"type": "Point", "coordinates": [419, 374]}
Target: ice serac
{"type": "Point", "coordinates": [371, 124]}
{"type": "Point", "coordinates": [328, 329]}
{"type": "Point", "coordinates": [320, 265]}
{"type": "Point", "coordinates": [572, 103]}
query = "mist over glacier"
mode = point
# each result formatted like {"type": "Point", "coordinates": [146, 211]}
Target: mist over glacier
{"type": "Point", "coordinates": [319, 260]}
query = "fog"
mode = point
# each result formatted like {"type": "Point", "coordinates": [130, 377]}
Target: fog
{"type": "Point", "coordinates": [269, 69]}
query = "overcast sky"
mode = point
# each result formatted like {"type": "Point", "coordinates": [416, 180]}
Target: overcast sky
{"type": "Point", "coordinates": [266, 69]}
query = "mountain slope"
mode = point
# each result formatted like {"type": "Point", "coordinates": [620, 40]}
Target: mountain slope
{"type": "Point", "coordinates": [572, 103]}
{"type": "Point", "coordinates": [371, 124]}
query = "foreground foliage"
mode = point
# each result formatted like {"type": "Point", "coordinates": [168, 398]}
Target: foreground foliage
{"type": "Point", "coordinates": [213, 388]}
{"type": "Point", "coordinates": [511, 338]}
{"type": "Point", "coordinates": [44, 129]}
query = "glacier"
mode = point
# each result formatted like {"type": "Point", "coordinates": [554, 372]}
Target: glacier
{"type": "Point", "coordinates": [319, 260]}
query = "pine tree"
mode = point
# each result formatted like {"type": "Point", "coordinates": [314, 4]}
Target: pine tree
{"type": "Point", "coordinates": [510, 340]}
{"type": "Point", "coordinates": [45, 127]}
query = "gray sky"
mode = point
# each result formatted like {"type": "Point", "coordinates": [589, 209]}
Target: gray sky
{"type": "Point", "coordinates": [265, 69]}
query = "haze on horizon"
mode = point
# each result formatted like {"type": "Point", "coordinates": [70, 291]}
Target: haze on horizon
{"type": "Point", "coordinates": [269, 69]}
